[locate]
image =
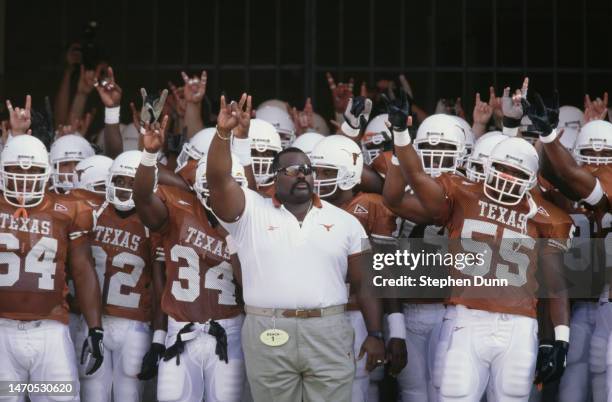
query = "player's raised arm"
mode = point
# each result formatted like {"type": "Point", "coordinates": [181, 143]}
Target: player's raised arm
{"type": "Point", "coordinates": [151, 209]}
{"type": "Point", "coordinates": [110, 94]}
{"type": "Point", "coordinates": [579, 180]}
{"type": "Point", "coordinates": [428, 191]}
{"type": "Point", "coordinates": [227, 198]}
{"type": "Point", "coordinates": [401, 202]}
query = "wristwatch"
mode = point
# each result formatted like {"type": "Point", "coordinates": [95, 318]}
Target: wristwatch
{"type": "Point", "coordinates": [376, 334]}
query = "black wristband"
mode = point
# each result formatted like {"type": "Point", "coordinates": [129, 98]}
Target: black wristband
{"type": "Point", "coordinates": [511, 122]}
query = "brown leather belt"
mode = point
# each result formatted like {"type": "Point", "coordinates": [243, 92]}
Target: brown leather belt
{"type": "Point", "coordinates": [298, 313]}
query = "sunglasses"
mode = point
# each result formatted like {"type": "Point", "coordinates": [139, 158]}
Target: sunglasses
{"type": "Point", "coordinates": [294, 170]}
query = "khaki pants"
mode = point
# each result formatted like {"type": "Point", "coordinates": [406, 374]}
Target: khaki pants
{"type": "Point", "coordinates": [316, 364]}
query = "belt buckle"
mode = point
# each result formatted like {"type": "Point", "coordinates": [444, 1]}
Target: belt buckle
{"type": "Point", "coordinates": [301, 313]}
{"type": "Point", "coordinates": [21, 326]}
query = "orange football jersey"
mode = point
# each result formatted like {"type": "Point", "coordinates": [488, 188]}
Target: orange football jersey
{"type": "Point", "coordinates": [508, 240]}
{"type": "Point", "coordinates": [35, 254]}
{"type": "Point", "coordinates": [377, 220]}
{"type": "Point", "coordinates": [122, 250]}
{"type": "Point", "coordinates": [199, 278]}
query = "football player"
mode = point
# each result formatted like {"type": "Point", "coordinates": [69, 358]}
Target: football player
{"type": "Point", "coordinates": [203, 356]}
{"type": "Point", "coordinates": [41, 233]}
{"type": "Point", "coordinates": [265, 144]}
{"type": "Point", "coordinates": [121, 247]}
{"type": "Point", "coordinates": [493, 342]}
{"type": "Point", "coordinates": [193, 151]}
{"type": "Point", "coordinates": [338, 164]}
{"type": "Point", "coordinates": [66, 152]}
{"type": "Point", "coordinates": [441, 146]}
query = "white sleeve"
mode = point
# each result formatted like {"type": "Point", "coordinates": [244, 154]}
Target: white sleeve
{"type": "Point", "coordinates": [241, 226]}
{"type": "Point", "coordinates": [358, 238]}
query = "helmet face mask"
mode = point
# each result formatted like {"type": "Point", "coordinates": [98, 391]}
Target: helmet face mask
{"type": "Point", "coordinates": [119, 190]}
{"type": "Point", "coordinates": [25, 170]}
{"type": "Point", "coordinates": [338, 164]}
{"type": "Point", "coordinates": [506, 183]}
{"type": "Point", "coordinates": [188, 153]}
{"type": "Point", "coordinates": [64, 177]}
{"type": "Point", "coordinates": [440, 143]}
{"type": "Point", "coordinates": [593, 145]}
{"type": "Point", "coordinates": [475, 169]}
{"type": "Point", "coordinates": [24, 187]}
{"type": "Point", "coordinates": [439, 158]}
{"type": "Point", "coordinates": [325, 179]}
{"type": "Point", "coordinates": [200, 185]}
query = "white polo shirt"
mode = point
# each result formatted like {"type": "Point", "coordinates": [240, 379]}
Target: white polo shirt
{"type": "Point", "coordinates": [288, 266]}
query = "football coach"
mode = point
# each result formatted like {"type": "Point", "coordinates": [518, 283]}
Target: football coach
{"type": "Point", "coordinates": [297, 253]}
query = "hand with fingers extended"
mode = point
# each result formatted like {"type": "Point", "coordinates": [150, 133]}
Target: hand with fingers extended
{"type": "Point", "coordinates": [511, 106]}
{"type": "Point", "coordinates": [20, 118]}
{"type": "Point", "coordinates": [398, 110]}
{"type": "Point", "coordinates": [356, 115]}
{"type": "Point", "coordinates": [108, 89]}
{"type": "Point", "coordinates": [341, 93]}
{"type": "Point", "coordinates": [597, 109]}
{"type": "Point", "coordinates": [154, 135]}
{"type": "Point", "coordinates": [151, 107]}
{"type": "Point", "coordinates": [303, 119]}
{"type": "Point", "coordinates": [194, 88]}
{"type": "Point", "coordinates": [495, 102]}
{"type": "Point", "coordinates": [228, 117]}
{"type": "Point", "coordinates": [544, 119]}
{"type": "Point", "coordinates": [77, 125]}
{"type": "Point", "coordinates": [243, 110]}
{"type": "Point", "coordinates": [482, 111]}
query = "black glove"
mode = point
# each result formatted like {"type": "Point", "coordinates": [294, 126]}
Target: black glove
{"type": "Point", "coordinates": [544, 119]}
{"type": "Point", "coordinates": [358, 112]}
{"type": "Point", "coordinates": [552, 357]}
{"type": "Point", "coordinates": [218, 332]}
{"type": "Point", "coordinates": [398, 110]}
{"type": "Point", "coordinates": [93, 350]}
{"type": "Point", "coordinates": [148, 369]}
{"type": "Point", "coordinates": [179, 345]}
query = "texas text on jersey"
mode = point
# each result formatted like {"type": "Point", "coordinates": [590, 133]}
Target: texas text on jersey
{"type": "Point", "coordinates": [199, 279]}
{"type": "Point", "coordinates": [33, 284]}
{"type": "Point", "coordinates": [121, 248]}
{"type": "Point", "coordinates": [470, 214]}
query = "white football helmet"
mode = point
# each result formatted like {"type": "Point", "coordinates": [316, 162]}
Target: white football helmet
{"type": "Point", "coordinates": [506, 188]}
{"type": "Point", "coordinates": [67, 148]}
{"type": "Point", "coordinates": [264, 138]}
{"type": "Point", "coordinates": [201, 185]}
{"type": "Point", "coordinates": [195, 148]}
{"type": "Point", "coordinates": [282, 122]}
{"type": "Point", "coordinates": [440, 142]}
{"type": "Point", "coordinates": [124, 165]}
{"type": "Point", "coordinates": [475, 166]}
{"type": "Point", "coordinates": [341, 154]}
{"type": "Point", "coordinates": [375, 138]}
{"type": "Point", "coordinates": [571, 120]}
{"type": "Point", "coordinates": [93, 172]}
{"type": "Point", "coordinates": [24, 189]}
{"type": "Point", "coordinates": [469, 135]}
{"type": "Point", "coordinates": [307, 141]}
{"type": "Point", "coordinates": [595, 136]}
